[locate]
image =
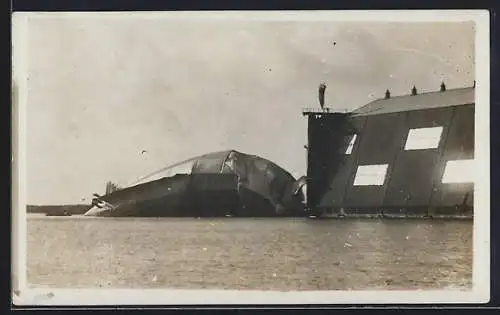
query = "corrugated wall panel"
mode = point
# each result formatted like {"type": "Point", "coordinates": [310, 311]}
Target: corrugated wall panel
{"type": "Point", "coordinates": [459, 145]}
{"type": "Point", "coordinates": [379, 144]}
{"type": "Point", "coordinates": [334, 197]}
{"type": "Point", "coordinates": [412, 179]}
{"type": "Point", "coordinates": [412, 176]}
{"type": "Point", "coordinates": [453, 195]}
{"type": "Point", "coordinates": [460, 142]}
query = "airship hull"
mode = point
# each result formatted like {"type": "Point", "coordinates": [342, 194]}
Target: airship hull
{"type": "Point", "coordinates": [218, 184]}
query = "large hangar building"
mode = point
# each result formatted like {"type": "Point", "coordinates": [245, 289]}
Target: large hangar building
{"type": "Point", "coordinates": [403, 155]}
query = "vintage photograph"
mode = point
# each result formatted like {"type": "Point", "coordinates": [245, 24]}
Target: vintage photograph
{"type": "Point", "coordinates": [267, 152]}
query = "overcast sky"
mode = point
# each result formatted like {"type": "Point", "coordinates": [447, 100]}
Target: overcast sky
{"type": "Point", "coordinates": [102, 90]}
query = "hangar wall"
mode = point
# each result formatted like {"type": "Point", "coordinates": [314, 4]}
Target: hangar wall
{"type": "Point", "coordinates": [413, 180]}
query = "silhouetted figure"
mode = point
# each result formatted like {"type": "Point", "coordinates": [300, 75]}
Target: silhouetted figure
{"type": "Point", "coordinates": [322, 88]}
{"type": "Point", "coordinates": [414, 91]}
{"type": "Point", "coordinates": [387, 94]}
{"type": "Point", "coordinates": [443, 87]}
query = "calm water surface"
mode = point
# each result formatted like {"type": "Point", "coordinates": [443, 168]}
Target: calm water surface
{"type": "Point", "coordinates": [263, 254]}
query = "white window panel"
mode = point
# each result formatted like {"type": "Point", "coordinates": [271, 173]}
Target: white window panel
{"type": "Point", "coordinates": [458, 171]}
{"type": "Point", "coordinates": [371, 175]}
{"type": "Point", "coordinates": [423, 138]}
{"type": "Point", "coordinates": [351, 144]}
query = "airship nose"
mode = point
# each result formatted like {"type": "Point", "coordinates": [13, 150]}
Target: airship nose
{"type": "Point", "coordinates": [95, 211]}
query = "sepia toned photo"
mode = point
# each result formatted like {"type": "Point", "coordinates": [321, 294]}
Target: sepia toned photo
{"type": "Point", "coordinates": [250, 157]}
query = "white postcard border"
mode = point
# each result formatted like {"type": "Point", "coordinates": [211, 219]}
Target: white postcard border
{"type": "Point", "coordinates": [481, 261]}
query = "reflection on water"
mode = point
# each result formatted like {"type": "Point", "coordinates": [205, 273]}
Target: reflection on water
{"type": "Point", "coordinates": [262, 254]}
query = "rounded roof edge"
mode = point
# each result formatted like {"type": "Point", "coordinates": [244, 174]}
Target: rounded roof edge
{"type": "Point", "coordinates": [223, 155]}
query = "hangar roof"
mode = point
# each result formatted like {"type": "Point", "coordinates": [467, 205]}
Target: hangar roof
{"type": "Point", "coordinates": [453, 97]}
